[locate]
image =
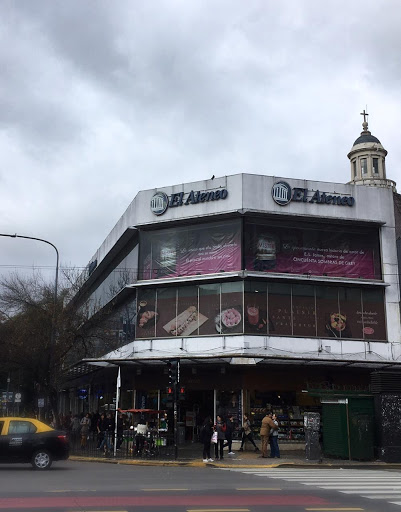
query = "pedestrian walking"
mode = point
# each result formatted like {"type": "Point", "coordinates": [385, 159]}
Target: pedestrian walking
{"type": "Point", "coordinates": [107, 429]}
{"type": "Point", "coordinates": [247, 434]}
{"type": "Point", "coordinates": [75, 427]}
{"type": "Point", "coordinates": [220, 428]}
{"type": "Point", "coordinates": [274, 449]}
{"type": "Point", "coordinates": [229, 434]}
{"type": "Point", "coordinates": [205, 437]}
{"type": "Point", "coordinates": [141, 433]}
{"type": "Point", "coordinates": [268, 426]}
{"type": "Point", "coordinates": [85, 427]}
{"type": "Point", "coordinates": [99, 429]}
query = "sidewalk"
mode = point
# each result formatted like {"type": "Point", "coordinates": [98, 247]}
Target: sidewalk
{"type": "Point", "coordinates": [190, 454]}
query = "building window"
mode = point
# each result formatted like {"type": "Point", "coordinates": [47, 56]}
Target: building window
{"type": "Point", "coordinates": [264, 308]}
{"type": "Point", "coordinates": [190, 250]}
{"type": "Point", "coordinates": [354, 168]}
{"type": "Point", "coordinates": [375, 166]}
{"type": "Point", "coordinates": [364, 165]}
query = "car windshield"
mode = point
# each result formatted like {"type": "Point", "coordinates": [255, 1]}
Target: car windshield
{"type": "Point", "coordinates": [1, 426]}
{"type": "Point", "coordinates": [21, 427]}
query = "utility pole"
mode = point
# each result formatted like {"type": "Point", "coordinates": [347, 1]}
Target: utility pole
{"type": "Point", "coordinates": [8, 390]}
{"type": "Point", "coordinates": [176, 384]}
{"type": "Point", "coordinates": [174, 380]}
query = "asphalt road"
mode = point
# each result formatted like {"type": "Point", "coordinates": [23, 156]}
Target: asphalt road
{"type": "Point", "coordinates": [89, 486]}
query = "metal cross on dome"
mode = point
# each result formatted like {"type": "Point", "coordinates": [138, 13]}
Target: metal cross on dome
{"type": "Point", "coordinates": [364, 114]}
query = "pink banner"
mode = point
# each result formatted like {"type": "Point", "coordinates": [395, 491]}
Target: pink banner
{"type": "Point", "coordinates": [205, 249]}
{"type": "Point", "coordinates": [315, 252]}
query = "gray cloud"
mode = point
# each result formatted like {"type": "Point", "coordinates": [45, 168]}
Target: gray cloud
{"type": "Point", "coordinates": [100, 99]}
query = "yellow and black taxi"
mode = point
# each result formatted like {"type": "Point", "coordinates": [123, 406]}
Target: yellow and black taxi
{"type": "Point", "coordinates": [30, 440]}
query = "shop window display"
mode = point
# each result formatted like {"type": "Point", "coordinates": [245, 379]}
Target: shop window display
{"type": "Point", "coordinates": [231, 315]}
{"type": "Point", "coordinates": [189, 317]}
{"type": "Point", "coordinates": [209, 307]}
{"type": "Point", "coordinates": [348, 322]}
{"type": "Point", "coordinates": [148, 313]}
{"type": "Point", "coordinates": [303, 310]}
{"type": "Point", "coordinates": [328, 310]}
{"type": "Point", "coordinates": [374, 325]}
{"type": "Point", "coordinates": [255, 308]}
{"type": "Point", "coordinates": [280, 314]}
{"type": "Point", "coordinates": [258, 307]}
{"type": "Point", "coordinates": [167, 324]}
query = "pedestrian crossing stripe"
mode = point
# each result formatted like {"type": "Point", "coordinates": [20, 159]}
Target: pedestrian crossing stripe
{"type": "Point", "coordinates": [372, 484]}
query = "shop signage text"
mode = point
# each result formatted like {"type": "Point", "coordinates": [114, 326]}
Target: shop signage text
{"type": "Point", "coordinates": [161, 201]}
{"type": "Point", "coordinates": [282, 194]}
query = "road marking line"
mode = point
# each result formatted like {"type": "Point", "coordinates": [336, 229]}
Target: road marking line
{"type": "Point", "coordinates": [362, 488]}
{"type": "Point", "coordinates": [73, 490]}
{"type": "Point", "coordinates": [365, 492]}
{"type": "Point", "coordinates": [258, 489]}
{"type": "Point", "coordinates": [163, 490]}
{"type": "Point", "coordinates": [384, 496]}
{"type": "Point", "coordinates": [218, 510]}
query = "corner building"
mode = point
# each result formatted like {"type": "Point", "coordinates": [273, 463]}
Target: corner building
{"type": "Point", "coordinates": [271, 292]}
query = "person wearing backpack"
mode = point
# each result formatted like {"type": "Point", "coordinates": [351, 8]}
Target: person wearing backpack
{"type": "Point", "coordinates": [205, 437]}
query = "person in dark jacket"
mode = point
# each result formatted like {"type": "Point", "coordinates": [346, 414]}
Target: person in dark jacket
{"type": "Point", "coordinates": [205, 438]}
{"type": "Point", "coordinates": [220, 428]}
{"type": "Point", "coordinates": [107, 428]}
{"type": "Point", "coordinates": [229, 434]}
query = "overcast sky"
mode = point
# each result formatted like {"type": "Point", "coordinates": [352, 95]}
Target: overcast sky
{"type": "Point", "coordinates": [101, 99]}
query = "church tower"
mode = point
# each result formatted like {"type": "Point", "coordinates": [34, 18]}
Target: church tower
{"type": "Point", "coordinates": [368, 160]}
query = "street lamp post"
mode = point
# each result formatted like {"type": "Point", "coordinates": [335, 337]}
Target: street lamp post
{"type": "Point", "coordinates": [53, 326]}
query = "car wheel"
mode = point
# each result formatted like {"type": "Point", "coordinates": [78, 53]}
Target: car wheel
{"type": "Point", "coordinates": [41, 460]}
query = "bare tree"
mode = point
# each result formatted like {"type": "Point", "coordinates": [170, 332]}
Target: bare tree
{"type": "Point", "coordinates": [36, 341]}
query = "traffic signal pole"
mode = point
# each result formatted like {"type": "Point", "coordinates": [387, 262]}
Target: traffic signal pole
{"type": "Point", "coordinates": [176, 384]}
{"type": "Point", "coordinates": [174, 381]}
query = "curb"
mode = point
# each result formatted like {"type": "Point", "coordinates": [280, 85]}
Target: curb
{"type": "Point", "coordinates": [198, 464]}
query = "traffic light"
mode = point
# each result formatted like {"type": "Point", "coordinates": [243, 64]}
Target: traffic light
{"type": "Point", "coordinates": [181, 393]}
{"type": "Point", "coordinates": [173, 372]}
{"type": "Point", "coordinates": [170, 397]}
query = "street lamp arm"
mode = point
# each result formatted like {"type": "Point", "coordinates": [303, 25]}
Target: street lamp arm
{"type": "Point", "coordinates": [46, 242]}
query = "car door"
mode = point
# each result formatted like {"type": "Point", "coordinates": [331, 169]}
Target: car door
{"type": "Point", "coordinates": [3, 441]}
{"type": "Point", "coordinates": [20, 440]}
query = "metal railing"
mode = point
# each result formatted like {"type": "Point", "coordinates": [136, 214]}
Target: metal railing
{"type": "Point", "coordinates": [128, 445]}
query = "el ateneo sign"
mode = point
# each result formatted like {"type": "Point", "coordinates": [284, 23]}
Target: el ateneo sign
{"type": "Point", "coordinates": [161, 201]}
{"type": "Point", "coordinates": [283, 194]}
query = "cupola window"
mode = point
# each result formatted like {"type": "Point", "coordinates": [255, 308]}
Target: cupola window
{"type": "Point", "coordinates": [375, 166]}
{"type": "Point", "coordinates": [364, 165]}
{"type": "Point", "coordinates": [354, 167]}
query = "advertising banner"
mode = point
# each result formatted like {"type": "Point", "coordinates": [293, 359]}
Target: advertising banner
{"type": "Point", "coordinates": [276, 309]}
{"type": "Point", "coordinates": [312, 251]}
{"type": "Point", "coordinates": [199, 249]}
